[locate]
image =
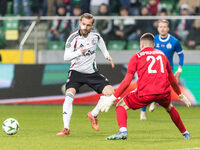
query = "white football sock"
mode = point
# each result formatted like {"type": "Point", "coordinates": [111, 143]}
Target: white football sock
{"type": "Point", "coordinates": [96, 110]}
{"type": "Point", "coordinates": [67, 109]}
{"type": "Point", "coordinates": [122, 129]}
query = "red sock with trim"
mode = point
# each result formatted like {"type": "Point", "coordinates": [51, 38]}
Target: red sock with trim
{"type": "Point", "coordinates": [177, 119]}
{"type": "Point", "coordinates": [121, 116]}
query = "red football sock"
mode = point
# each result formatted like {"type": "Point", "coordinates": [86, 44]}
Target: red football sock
{"type": "Point", "coordinates": [121, 116]}
{"type": "Point", "coordinates": [176, 119]}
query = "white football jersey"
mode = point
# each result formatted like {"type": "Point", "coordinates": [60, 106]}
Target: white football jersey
{"type": "Point", "coordinates": [84, 63]}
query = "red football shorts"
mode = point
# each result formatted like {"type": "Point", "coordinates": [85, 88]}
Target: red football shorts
{"type": "Point", "coordinates": [134, 101]}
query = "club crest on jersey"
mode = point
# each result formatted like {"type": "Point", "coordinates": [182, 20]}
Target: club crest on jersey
{"type": "Point", "coordinates": [94, 42]}
{"type": "Point", "coordinates": [169, 45]}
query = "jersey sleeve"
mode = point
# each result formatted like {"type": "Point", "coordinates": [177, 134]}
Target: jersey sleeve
{"type": "Point", "coordinates": [102, 47]}
{"type": "Point", "coordinates": [172, 79]}
{"type": "Point", "coordinates": [124, 84]}
{"type": "Point", "coordinates": [132, 65]}
{"type": "Point", "coordinates": [70, 51]}
{"type": "Point", "coordinates": [180, 53]}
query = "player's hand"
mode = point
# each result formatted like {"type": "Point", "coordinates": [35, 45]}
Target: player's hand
{"type": "Point", "coordinates": [111, 61]}
{"type": "Point", "coordinates": [185, 100]}
{"type": "Point", "coordinates": [83, 51]}
{"type": "Point", "coordinates": [177, 75]}
{"type": "Point", "coordinates": [107, 102]}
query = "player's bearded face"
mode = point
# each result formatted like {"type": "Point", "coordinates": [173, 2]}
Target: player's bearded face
{"type": "Point", "coordinates": [86, 26]}
{"type": "Point", "coordinates": [163, 29]}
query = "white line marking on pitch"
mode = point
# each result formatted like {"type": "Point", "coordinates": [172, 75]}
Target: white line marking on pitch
{"type": "Point", "coordinates": [186, 148]}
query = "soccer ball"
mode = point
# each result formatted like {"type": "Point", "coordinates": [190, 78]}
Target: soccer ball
{"type": "Point", "coordinates": [10, 126]}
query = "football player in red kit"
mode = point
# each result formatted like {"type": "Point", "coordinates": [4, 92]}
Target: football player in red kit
{"type": "Point", "coordinates": [154, 79]}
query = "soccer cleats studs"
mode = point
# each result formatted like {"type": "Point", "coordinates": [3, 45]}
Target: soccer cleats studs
{"type": "Point", "coordinates": [119, 136]}
{"type": "Point", "coordinates": [94, 121]}
{"type": "Point", "coordinates": [64, 131]}
{"type": "Point", "coordinates": [187, 136]}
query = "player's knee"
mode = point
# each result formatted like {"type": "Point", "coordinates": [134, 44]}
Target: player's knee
{"type": "Point", "coordinates": [122, 104]}
{"type": "Point", "coordinates": [71, 90]}
{"type": "Point", "coordinates": [108, 90]}
{"type": "Point", "coordinates": [169, 107]}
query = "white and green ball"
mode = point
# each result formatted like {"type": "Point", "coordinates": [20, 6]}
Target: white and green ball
{"type": "Point", "coordinates": [10, 126]}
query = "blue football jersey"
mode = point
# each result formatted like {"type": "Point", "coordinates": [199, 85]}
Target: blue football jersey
{"type": "Point", "coordinates": [168, 46]}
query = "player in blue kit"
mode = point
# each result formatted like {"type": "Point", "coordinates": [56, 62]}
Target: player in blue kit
{"type": "Point", "coordinates": [168, 44]}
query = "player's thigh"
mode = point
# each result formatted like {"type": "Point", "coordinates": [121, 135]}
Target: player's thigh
{"type": "Point", "coordinates": [164, 100]}
{"type": "Point", "coordinates": [74, 81]}
{"type": "Point", "coordinates": [134, 101]}
{"type": "Point", "coordinates": [97, 82]}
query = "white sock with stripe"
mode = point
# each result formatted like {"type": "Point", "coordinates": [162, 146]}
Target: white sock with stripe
{"type": "Point", "coordinates": [67, 109]}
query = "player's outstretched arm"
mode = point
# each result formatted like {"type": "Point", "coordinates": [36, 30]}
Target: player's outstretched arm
{"type": "Point", "coordinates": [176, 88]}
{"type": "Point", "coordinates": [111, 61]}
{"type": "Point", "coordinates": [105, 52]}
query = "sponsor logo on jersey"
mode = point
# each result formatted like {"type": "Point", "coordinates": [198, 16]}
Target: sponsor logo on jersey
{"type": "Point", "coordinates": [81, 45]}
{"type": "Point", "coordinates": [158, 45]}
{"type": "Point", "coordinates": [169, 45]}
{"type": "Point", "coordinates": [89, 52]}
{"type": "Point", "coordinates": [162, 45]}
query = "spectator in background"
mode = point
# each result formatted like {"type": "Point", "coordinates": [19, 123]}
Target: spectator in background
{"type": "Point", "coordinates": [38, 6]}
{"type": "Point", "coordinates": [95, 4]}
{"type": "Point", "coordinates": [142, 26]}
{"type": "Point", "coordinates": [3, 4]}
{"type": "Point", "coordinates": [104, 27]}
{"type": "Point", "coordinates": [53, 6]}
{"type": "Point", "coordinates": [124, 27]}
{"type": "Point", "coordinates": [182, 27]}
{"type": "Point", "coordinates": [26, 8]}
{"type": "Point", "coordinates": [132, 5]}
{"type": "Point", "coordinates": [193, 37]}
{"type": "Point", "coordinates": [59, 27]}
{"type": "Point", "coordinates": [193, 5]}
{"type": "Point", "coordinates": [85, 5]}
{"type": "Point", "coordinates": [74, 23]}
{"type": "Point", "coordinates": [153, 7]}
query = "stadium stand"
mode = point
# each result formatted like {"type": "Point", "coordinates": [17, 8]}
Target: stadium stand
{"type": "Point", "coordinates": [133, 45]}
{"type": "Point", "coordinates": [116, 45]}
{"type": "Point", "coordinates": [56, 45]}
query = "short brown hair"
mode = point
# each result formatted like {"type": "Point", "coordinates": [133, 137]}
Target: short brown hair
{"type": "Point", "coordinates": [164, 21]}
{"type": "Point", "coordinates": [147, 37]}
{"type": "Point", "coordinates": [87, 16]}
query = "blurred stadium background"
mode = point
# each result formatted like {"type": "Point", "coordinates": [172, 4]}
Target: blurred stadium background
{"type": "Point", "coordinates": [33, 35]}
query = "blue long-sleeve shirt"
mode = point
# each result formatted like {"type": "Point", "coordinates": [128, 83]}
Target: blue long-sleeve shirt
{"type": "Point", "coordinates": [168, 46]}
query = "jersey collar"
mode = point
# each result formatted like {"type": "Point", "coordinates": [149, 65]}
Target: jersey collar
{"type": "Point", "coordinates": [165, 40]}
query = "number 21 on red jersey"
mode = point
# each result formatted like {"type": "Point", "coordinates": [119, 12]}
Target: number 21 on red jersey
{"type": "Point", "coordinates": [153, 60]}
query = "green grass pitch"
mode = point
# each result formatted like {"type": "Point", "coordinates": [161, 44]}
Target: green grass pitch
{"type": "Point", "coordinates": [40, 123]}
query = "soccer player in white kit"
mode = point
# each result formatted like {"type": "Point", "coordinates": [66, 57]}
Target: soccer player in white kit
{"type": "Point", "coordinates": [80, 49]}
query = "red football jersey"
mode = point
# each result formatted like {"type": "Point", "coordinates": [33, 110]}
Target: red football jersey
{"type": "Point", "coordinates": [152, 68]}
